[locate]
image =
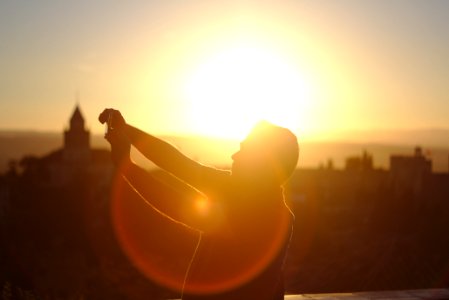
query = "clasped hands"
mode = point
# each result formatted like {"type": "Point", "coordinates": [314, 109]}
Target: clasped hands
{"type": "Point", "coordinates": [115, 135]}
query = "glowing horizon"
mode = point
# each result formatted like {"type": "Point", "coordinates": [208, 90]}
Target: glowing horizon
{"type": "Point", "coordinates": [333, 68]}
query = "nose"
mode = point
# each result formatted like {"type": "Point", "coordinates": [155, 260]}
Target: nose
{"type": "Point", "coordinates": [235, 155]}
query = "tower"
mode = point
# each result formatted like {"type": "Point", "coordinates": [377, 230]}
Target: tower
{"type": "Point", "coordinates": [76, 140]}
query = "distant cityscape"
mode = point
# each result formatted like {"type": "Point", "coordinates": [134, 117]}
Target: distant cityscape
{"type": "Point", "coordinates": [358, 227]}
{"type": "Point", "coordinates": [14, 145]}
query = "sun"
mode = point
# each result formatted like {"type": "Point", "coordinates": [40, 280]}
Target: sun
{"type": "Point", "coordinates": [232, 89]}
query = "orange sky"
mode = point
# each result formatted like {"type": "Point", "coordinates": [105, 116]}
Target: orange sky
{"type": "Point", "coordinates": [215, 67]}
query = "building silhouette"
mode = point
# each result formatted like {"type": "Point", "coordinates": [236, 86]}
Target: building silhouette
{"type": "Point", "coordinates": [77, 140]}
{"type": "Point", "coordinates": [75, 160]}
{"type": "Point", "coordinates": [409, 173]}
{"type": "Point", "coordinates": [365, 162]}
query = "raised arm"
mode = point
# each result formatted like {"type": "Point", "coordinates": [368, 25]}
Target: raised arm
{"type": "Point", "coordinates": [176, 203]}
{"type": "Point", "coordinates": [164, 154]}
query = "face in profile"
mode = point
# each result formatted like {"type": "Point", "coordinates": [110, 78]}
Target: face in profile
{"type": "Point", "coordinates": [241, 161]}
{"type": "Point", "coordinates": [251, 162]}
{"type": "Point", "coordinates": [269, 153]}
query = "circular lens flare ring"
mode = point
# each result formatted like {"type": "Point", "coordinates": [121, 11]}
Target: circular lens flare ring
{"type": "Point", "coordinates": [140, 231]}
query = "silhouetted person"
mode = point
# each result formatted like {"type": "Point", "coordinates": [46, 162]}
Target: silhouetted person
{"type": "Point", "coordinates": [244, 222]}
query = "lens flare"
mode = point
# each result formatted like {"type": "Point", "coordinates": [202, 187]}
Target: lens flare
{"type": "Point", "coordinates": [158, 247]}
{"type": "Point", "coordinates": [234, 264]}
{"type": "Point", "coordinates": [163, 250]}
{"type": "Point", "coordinates": [202, 206]}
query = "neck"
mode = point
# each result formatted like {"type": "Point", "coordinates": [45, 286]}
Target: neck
{"type": "Point", "coordinates": [254, 185]}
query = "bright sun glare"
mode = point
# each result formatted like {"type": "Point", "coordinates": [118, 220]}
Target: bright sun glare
{"type": "Point", "coordinates": [236, 87]}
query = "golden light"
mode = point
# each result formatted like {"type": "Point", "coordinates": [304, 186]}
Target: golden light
{"type": "Point", "coordinates": [234, 88]}
{"type": "Point", "coordinates": [202, 206]}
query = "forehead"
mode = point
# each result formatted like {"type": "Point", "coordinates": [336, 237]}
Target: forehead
{"type": "Point", "coordinates": [252, 142]}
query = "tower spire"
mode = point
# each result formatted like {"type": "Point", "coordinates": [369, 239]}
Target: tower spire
{"type": "Point", "coordinates": [77, 98]}
{"type": "Point", "coordinates": [76, 138]}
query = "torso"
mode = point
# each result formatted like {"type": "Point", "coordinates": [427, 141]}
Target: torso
{"type": "Point", "coordinates": [243, 258]}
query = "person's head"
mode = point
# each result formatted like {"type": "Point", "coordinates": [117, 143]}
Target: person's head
{"type": "Point", "coordinates": [269, 153]}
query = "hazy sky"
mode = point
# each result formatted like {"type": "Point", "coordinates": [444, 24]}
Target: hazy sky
{"type": "Point", "coordinates": [215, 66]}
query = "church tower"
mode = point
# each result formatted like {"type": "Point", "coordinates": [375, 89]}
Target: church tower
{"type": "Point", "coordinates": [76, 139]}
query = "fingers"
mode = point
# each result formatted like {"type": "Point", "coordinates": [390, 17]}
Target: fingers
{"type": "Point", "coordinates": [103, 117]}
{"type": "Point", "coordinates": [120, 145]}
{"type": "Point", "coordinates": [113, 117]}
{"type": "Point", "coordinates": [117, 120]}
